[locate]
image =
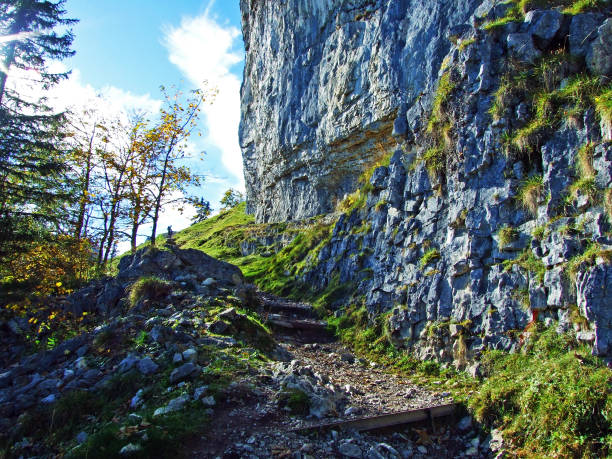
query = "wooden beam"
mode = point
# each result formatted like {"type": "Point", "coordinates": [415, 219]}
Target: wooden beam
{"type": "Point", "coordinates": [386, 420]}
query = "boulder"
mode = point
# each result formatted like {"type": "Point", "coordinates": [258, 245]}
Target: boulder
{"type": "Point", "coordinates": [183, 372]}
{"type": "Point", "coordinates": [599, 56]}
{"type": "Point", "coordinates": [522, 48]}
{"type": "Point", "coordinates": [583, 30]}
{"type": "Point", "coordinates": [544, 25]}
{"type": "Point", "coordinates": [178, 263]}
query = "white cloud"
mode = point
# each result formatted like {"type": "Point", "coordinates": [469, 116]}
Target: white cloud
{"type": "Point", "coordinates": [74, 93]}
{"type": "Point", "coordinates": [205, 51]}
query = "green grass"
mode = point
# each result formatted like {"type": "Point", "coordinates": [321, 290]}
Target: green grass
{"type": "Point", "coordinates": [530, 193]}
{"type": "Point", "coordinates": [548, 402]}
{"type": "Point", "coordinates": [464, 44]}
{"type": "Point", "coordinates": [587, 258]}
{"type": "Point", "coordinates": [529, 262]}
{"type": "Point", "coordinates": [603, 105]}
{"type": "Point", "coordinates": [520, 7]}
{"type": "Point", "coordinates": [434, 159]}
{"type": "Point", "coordinates": [149, 287]}
{"type": "Point", "coordinates": [586, 187]}
{"type": "Point", "coordinates": [539, 232]}
{"type": "Point", "coordinates": [439, 116]}
{"type": "Point", "coordinates": [584, 160]}
{"type": "Point", "coordinates": [506, 235]}
{"type": "Point", "coordinates": [428, 257]}
{"type": "Point", "coordinates": [557, 89]}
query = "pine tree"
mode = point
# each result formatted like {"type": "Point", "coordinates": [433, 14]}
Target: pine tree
{"type": "Point", "coordinates": [33, 189]}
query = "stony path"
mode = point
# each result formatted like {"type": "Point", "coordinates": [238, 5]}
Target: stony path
{"type": "Point", "coordinates": [252, 422]}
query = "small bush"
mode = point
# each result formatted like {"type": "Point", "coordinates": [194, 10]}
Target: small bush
{"type": "Point", "coordinates": [296, 400]}
{"type": "Point", "coordinates": [150, 287]}
{"type": "Point", "coordinates": [430, 368]}
{"type": "Point", "coordinates": [530, 193]}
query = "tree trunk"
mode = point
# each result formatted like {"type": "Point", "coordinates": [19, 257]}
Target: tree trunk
{"type": "Point", "coordinates": [83, 205]}
{"type": "Point", "coordinates": [158, 198]}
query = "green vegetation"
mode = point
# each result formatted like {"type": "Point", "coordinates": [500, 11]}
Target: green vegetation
{"type": "Point", "coordinates": [549, 400]}
{"type": "Point", "coordinates": [539, 232]}
{"type": "Point", "coordinates": [466, 43]}
{"type": "Point", "coordinates": [585, 160]}
{"type": "Point", "coordinates": [221, 235]}
{"type": "Point", "coordinates": [520, 7]}
{"type": "Point", "coordinates": [530, 193]}
{"type": "Point", "coordinates": [439, 115]}
{"type": "Point", "coordinates": [296, 400]}
{"type": "Point", "coordinates": [558, 89]}
{"type": "Point", "coordinates": [529, 262]}
{"type": "Point", "coordinates": [506, 235]}
{"type": "Point", "coordinates": [587, 258]}
{"type": "Point", "coordinates": [149, 287]}
{"type": "Point", "coordinates": [439, 128]}
{"type": "Point", "coordinates": [428, 257]}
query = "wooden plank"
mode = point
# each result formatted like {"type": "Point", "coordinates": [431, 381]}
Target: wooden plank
{"type": "Point", "coordinates": [296, 324]}
{"type": "Point", "coordinates": [386, 420]}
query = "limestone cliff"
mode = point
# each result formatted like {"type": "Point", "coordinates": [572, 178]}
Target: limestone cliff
{"type": "Point", "coordinates": [325, 80]}
{"type": "Point", "coordinates": [491, 213]}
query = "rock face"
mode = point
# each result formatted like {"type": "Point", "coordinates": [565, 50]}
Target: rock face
{"type": "Point", "coordinates": [327, 83]}
{"type": "Point", "coordinates": [451, 254]}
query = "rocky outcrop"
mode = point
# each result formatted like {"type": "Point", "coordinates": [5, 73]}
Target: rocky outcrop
{"type": "Point", "coordinates": [189, 267]}
{"type": "Point", "coordinates": [448, 249]}
{"type": "Point", "coordinates": [327, 85]}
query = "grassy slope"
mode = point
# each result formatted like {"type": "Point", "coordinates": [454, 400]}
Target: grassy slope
{"type": "Point", "coordinates": [222, 235]}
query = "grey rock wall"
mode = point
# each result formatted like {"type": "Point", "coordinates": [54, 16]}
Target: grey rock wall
{"type": "Point", "coordinates": [326, 84]}
{"type": "Point", "coordinates": [475, 293]}
{"type": "Point", "coordinates": [330, 86]}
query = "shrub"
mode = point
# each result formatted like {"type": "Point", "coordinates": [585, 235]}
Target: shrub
{"type": "Point", "coordinates": [296, 400]}
{"type": "Point", "coordinates": [150, 287]}
{"type": "Point", "coordinates": [530, 193]}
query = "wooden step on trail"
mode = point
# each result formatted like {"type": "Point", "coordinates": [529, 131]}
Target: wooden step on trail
{"type": "Point", "coordinates": [385, 420]}
{"type": "Point", "coordinates": [278, 320]}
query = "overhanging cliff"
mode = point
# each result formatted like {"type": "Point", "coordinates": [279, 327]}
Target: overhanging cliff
{"type": "Point", "coordinates": [494, 210]}
{"type": "Point", "coordinates": [326, 85]}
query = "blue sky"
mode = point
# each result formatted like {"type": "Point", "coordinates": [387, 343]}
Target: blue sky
{"type": "Point", "coordinates": [126, 49]}
{"type": "Point", "coordinates": [120, 42]}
